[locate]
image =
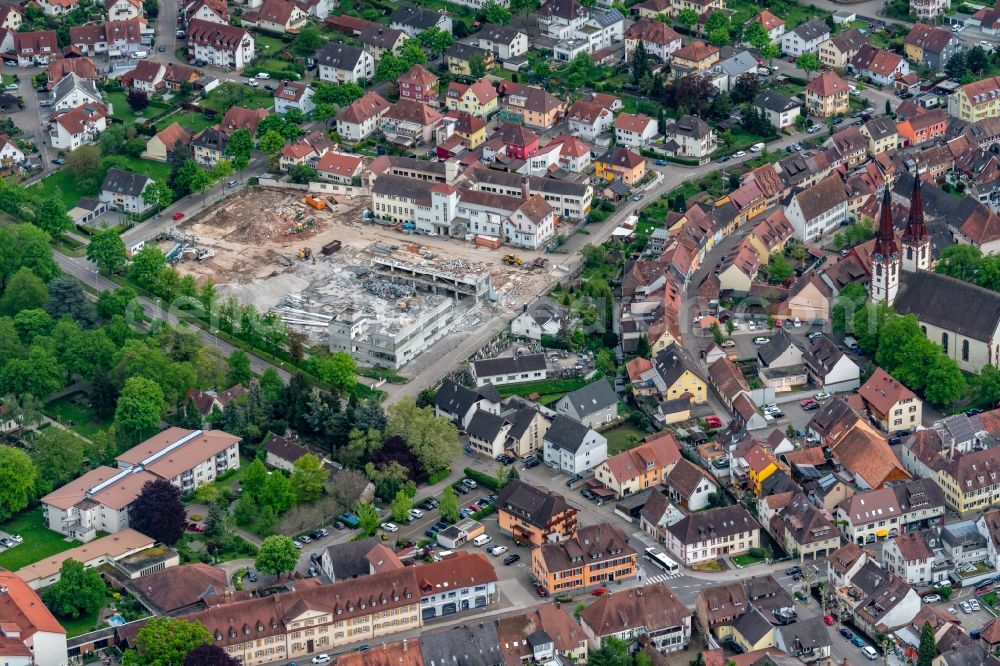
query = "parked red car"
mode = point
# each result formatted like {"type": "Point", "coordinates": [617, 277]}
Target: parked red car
{"type": "Point", "coordinates": [178, 216]}
{"type": "Point", "coordinates": [195, 527]}
{"type": "Point", "coordinates": [828, 620]}
{"type": "Point", "coordinates": [713, 422]}
{"type": "Point", "coordinates": [542, 592]}
{"type": "Point", "coordinates": [599, 592]}
{"type": "Point", "coordinates": [805, 403]}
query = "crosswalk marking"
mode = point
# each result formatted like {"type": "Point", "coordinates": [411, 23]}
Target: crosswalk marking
{"type": "Point", "coordinates": [662, 577]}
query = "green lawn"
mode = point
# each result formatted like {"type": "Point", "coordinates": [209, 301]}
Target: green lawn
{"type": "Point", "coordinates": [554, 387]}
{"type": "Point", "coordinates": [39, 541]}
{"type": "Point", "coordinates": [251, 98]}
{"type": "Point", "coordinates": [746, 560]}
{"type": "Point", "coordinates": [269, 45]}
{"type": "Point", "coordinates": [123, 112]}
{"type": "Point", "coordinates": [155, 170]}
{"type": "Point", "coordinates": [78, 417]}
{"type": "Point", "coordinates": [189, 120]}
{"type": "Point", "coordinates": [80, 625]}
{"type": "Point", "coordinates": [622, 438]}
{"type": "Point", "coordinates": [61, 185]}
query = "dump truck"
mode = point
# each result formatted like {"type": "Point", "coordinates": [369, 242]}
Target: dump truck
{"type": "Point", "coordinates": [318, 204]}
{"type": "Point", "coordinates": [512, 260]}
{"type": "Point", "coordinates": [331, 247]}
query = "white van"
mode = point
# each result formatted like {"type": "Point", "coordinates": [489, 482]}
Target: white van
{"type": "Point", "coordinates": [482, 540]}
{"type": "Point", "coordinates": [756, 148]}
{"type": "Point", "coordinates": [870, 652]}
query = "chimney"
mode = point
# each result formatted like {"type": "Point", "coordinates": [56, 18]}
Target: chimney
{"type": "Point", "coordinates": [525, 190]}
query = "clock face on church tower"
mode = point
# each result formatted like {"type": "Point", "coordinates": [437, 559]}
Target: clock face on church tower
{"type": "Point", "coordinates": [878, 257]}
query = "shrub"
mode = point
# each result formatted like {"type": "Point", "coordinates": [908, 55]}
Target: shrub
{"type": "Point", "coordinates": [439, 476]}
{"type": "Point", "coordinates": [482, 479]}
{"type": "Point", "coordinates": [757, 552]}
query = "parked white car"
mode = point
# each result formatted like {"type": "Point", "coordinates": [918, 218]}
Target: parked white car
{"type": "Point", "coordinates": [390, 527]}
{"type": "Point", "coordinates": [497, 551]}
{"type": "Point", "coordinates": [761, 341]}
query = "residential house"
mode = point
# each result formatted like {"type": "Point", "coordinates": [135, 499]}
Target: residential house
{"type": "Point", "coordinates": [178, 75]}
{"type": "Point", "coordinates": [737, 65]}
{"type": "Point", "coordinates": [838, 50]}
{"type": "Point", "coordinates": [531, 106]}
{"type": "Point", "coordinates": [196, 458]}
{"type": "Point", "coordinates": [533, 515]}
{"type": "Point", "coordinates": [478, 98]}
{"type": "Point", "coordinates": [362, 117]}
{"type": "Point", "coordinates": [508, 370]}
{"type": "Point", "coordinates": [781, 111]}
{"type": "Point", "coordinates": [651, 612]}
{"type": "Point", "coordinates": [713, 533]}
{"type": "Point", "coordinates": [293, 95]}
{"type": "Point", "coordinates": [922, 128]}
{"type": "Point", "coordinates": [342, 168]}
{"type": "Point", "coordinates": [881, 133]}
{"type": "Point", "coordinates": [180, 589]}
{"type": "Point", "coordinates": [620, 163]}
{"type": "Point", "coordinates": [277, 16]}
{"type": "Point", "coordinates": [727, 380]}
{"type": "Point", "coordinates": [917, 558]}
{"type": "Point", "coordinates": [719, 606]}
{"type": "Point", "coordinates": [658, 39]}
{"type": "Point", "coordinates": [11, 17]}
{"type": "Point", "coordinates": [487, 433]}
{"type": "Point", "coordinates": [634, 129]}
{"type": "Point", "coordinates": [220, 45]}
{"type": "Point", "coordinates": [531, 225]}
{"type": "Point", "coordinates": [72, 92]}
{"type": "Point", "coordinates": [461, 57]}
{"type": "Point", "coordinates": [819, 209]}
{"type": "Point", "coordinates": [807, 640]}
{"type": "Point", "coordinates": [559, 19]}
{"type": "Point", "coordinates": [689, 486]}
{"type": "Point", "coordinates": [460, 404]}
{"type": "Point", "coordinates": [342, 63]}
{"type": "Point", "coordinates": [752, 631]}
{"type": "Point", "coordinates": [35, 48]}
{"type": "Point", "coordinates": [565, 637]}
{"type": "Point", "coordinates": [827, 95]}
{"type": "Point", "coordinates": [216, 11]}
{"type": "Point", "coordinates": [538, 318]}
{"type": "Point", "coordinates": [528, 426]}
{"type": "Point", "coordinates": [738, 269]}
{"type": "Point", "coordinates": [415, 20]}
{"type": "Point", "coordinates": [123, 10]}
{"type": "Point", "coordinates": [10, 154]}
{"type": "Point", "coordinates": [690, 137]}
{"type": "Point", "coordinates": [774, 25]}
{"type": "Point", "coordinates": [417, 84]}
{"type": "Point", "coordinates": [410, 123]}
{"type": "Point", "coordinates": [693, 58]}
{"type": "Point", "coordinates": [644, 466]}
{"type": "Point", "coordinates": [880, 65]}
{"type": "Point", "coordinates": [378, 40]}
{"type": "Point", "coordinates": [595, 555]}
{"type": "Point", "coordinates": [890, 404]}
{"type": "Point", "coordinates": [930, 46]}
{"type": "Point", "coordinates": [122, 190]}
{"type": "Point", "coordinates": [805, 38]}
{"type": "Point", "coordinates": [976, 101]}
{"type": "Point", "coordinates": [804, 529]}
{"type": "Point", "coordinates": [209, 146]}
{"type": "Point", "coordinates": [864, 453]}
{"type": "Point", "coordinates": [593, 405]}
{"type": "Point", "coordinates": [30, 634]}
{"type": "Point", "coordinates": [679, 375]}
{"type": "Point", "coordinates": [82, 67]}
{"type": "Point", "coordinates": [969, 480]}
{"type": "Point", "coordinates": [470, 130]}
{"type": "Point", "coordinates": [571, 447]}
{"type": "Point", "coordinates": [588, 120]}
{"type": "Point", "coordinates": [147, 77]}
{"type": "Point", "coordinates": [502, 41]}
{"type": "Point", "coordinates": [115, 37]}
{"type": "Point", "coordinates": [68, 130]}
{"type": "Point", "coordinates": [239, 117]}
{"type": "Point", "coordinates": [57, 7]}
{"type": "Point", "coordinates": [830, 366]}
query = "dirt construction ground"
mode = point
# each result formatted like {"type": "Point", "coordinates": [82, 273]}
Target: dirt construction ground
{"type": "Point", "coordinates": [256, 249]}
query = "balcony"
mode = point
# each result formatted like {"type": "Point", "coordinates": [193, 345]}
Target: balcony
{"type": "Point", "coordinates": [80, 532]}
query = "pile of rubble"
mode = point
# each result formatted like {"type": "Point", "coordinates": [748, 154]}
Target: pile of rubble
{"type": "Point", "coordinates": [387, 290]}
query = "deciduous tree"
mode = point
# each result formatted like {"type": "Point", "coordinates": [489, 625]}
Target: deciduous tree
{"type": "Point", "coordinates": [25, 291]}
{"type": "Point", "coordinates": [367, 518]}
{"type": "Point", "coordinates": [158, 195]}
{"type": "Point", "coordinates": [401, 505]}
{"type": "Point", "coordinates": [210, 655]}
{"type": "Point", "coordinates": [338, 369]}
{"type": "Point", "coordinates": [432, 439]}
{"type": "Point", "coordinates": [58, 456]}
{"type": "Point", "coordinates": [277, 555]}
{"type": "Point", "coordinates": [158, 512]}
{"type": "Point", "coordinates": [18, 478]}
{"type": "Point", "coordinates": [496, 13]}
{"type": "Point", "coordinates": [166, 641]}
{"type": "Point", "coordinates": [308, 478]}
{"type": "Point", "coordinates": [79, 591]}
{"type": "Point", "coordinates": [51, 217]}
{"type": "Point", "coordinates": [139, 408]}
{"type": "Point", "coordinates": [808, 63]}
{"type": "Point", "coordinates": [448, 505]}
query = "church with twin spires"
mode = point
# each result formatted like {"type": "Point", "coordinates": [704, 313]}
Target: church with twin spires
{"type": "Point", "coordinates": [962, 317]}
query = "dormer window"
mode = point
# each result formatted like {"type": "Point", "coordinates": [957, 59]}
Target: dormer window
{"type": "Point", "coordinates": [232, 633]}
{"type": "Point", "coordinates": [260, 627]}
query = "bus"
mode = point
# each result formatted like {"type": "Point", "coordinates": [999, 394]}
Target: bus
{"type": "Point", "coordinates": [660, 559]}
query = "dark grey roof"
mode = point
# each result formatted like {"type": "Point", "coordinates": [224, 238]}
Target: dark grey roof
{"type": "Point", "coordinates": [474, 644]}
{"type": "Point", "coordinates": [539, 184]}
{"type": "Point", "coordinates": [671, 363]}
{"type": "Point", "coordinates": [349, 559]}
{"type": "Point", "coordinates": [485, 425]}
{"type": "Point", "coordinates": [690, 126]}
{"type": "Point", "coordinates": [71, 81]}
{"type": "Point", "coordinates": [968, 655]}
{"type": "Point", "coordinates": [400, 186]}
{"type": "Point", "coordinates": [542, 310]}
{"type": "Point", "coordinates": [211, 139]}
{"type": "Point", "coordinates": [607, 18]}
{"type": "Point", "coordinates": [869, 577]}
{"type": "Point", "coordinates": [454, 398]}
{"type": "Point", "coordinates": [489, 392]}
{"type": "Point", "coordinates": [822, 355]}
{"type": "Point", "coordinates": [752, 625]}
{"type": "Point", "coordinates": [417, 17]}
{"type": "Point", "coordinates": [739, 64]}
{"type": "Point", "coordinates": [811, 30]}
{"type": "Point", "coordinates": [520, 420]}
{"type": "Point", "coordinates": [497, 33]}
{"type": "Point", "coordinates": [592, 397]}
{"type": "Point", "coordinates": [340, 56]}
{"type": "Point", "coordinates": [775, 101]}
{"type": "Point", "coordinates": [939, 300]}
{"type": "Point", "coordinates": [566, 433]}
{"type": "Point", "coordinates": [532, 504]}
{"type": "Point", "coordinates": [507, 365]}
{"type": "Point", "coordinates": [713, 524]}
{"type": "Point", "coordinates": [804, 636]}
{"type": "Point", "coordinates": [125, 182]}
{"type": "Point", "coordinates": [881, 127]}
{"type": "Point", "coordinates": [777, 346]}
{"type": "Point", "coordinates": [464, 51]}
{"type": "Point", "coordinates": [284, 448]}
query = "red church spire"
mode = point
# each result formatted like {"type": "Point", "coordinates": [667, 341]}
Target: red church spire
{"type": "Point", "coordinates": [916, 230]}
{"type": "Point", "coordinates": [885, 239]}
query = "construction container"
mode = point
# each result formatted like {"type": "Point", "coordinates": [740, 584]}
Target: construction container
{"type": "Point", "coordinates": [412, 247]}
{"type": "Point", "coordinates": [318, 204]}
{"type": "Point", "coordinates": [491, 242]}
{"type": "Point", "coordinates": [331, 247]}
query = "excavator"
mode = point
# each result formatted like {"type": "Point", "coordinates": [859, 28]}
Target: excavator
{"type": "Point", "coordinates": [512, 260]}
